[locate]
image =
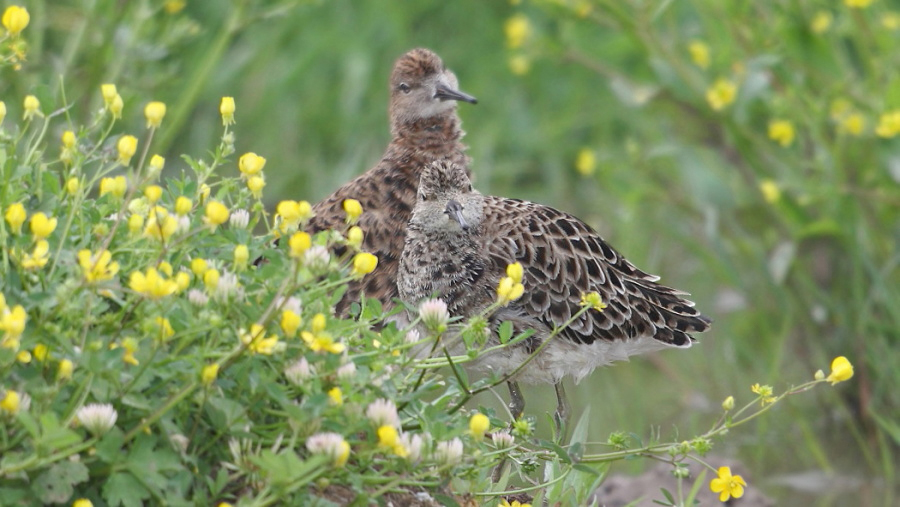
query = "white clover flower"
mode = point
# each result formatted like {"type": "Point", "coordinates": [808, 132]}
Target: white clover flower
{"type": "Point", "coordinates": [383, 412]}
{"type": "Point", "coordinates": [293, 304]}
{"type": "Point", "coordinates": [239, 219]}
{"type": "Point", "coordinates": [329, 444]}
{"type": "Point", "coordinates": [449, 452]}
{"type": "Point", "coordinates": [98, 418]}
{"type": "Point", "coordinates": [503, 440]}
{"type": "Point", "coordinates": [316, 259]}
{"type": "Point", "coordinates": [347, 371]}
{"type": "Point", "coordinates": [197, 297]}
{"type": "Point", "coordinates": [184, 224]}
{"type": "Point", "coordinates": [413, 444]}
{"type": "Point", "coordinates": [434, 314]}
{"type": "Point", "coordinates": [299, 372]}
{"type": "Point", "coordinates": [412, 336]}
{"type": "Point", "coordinates": [228, 287]}
{"type": "Point", "coordinates": [179, 442]}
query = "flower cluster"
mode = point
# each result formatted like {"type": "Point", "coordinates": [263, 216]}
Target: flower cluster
{"type": "Point", "coordinates": [510, 287]}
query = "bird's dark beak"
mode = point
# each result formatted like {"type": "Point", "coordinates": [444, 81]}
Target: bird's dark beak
{"type": "Point", "coordinates": [446, 93]}
{"type": "Point", "coordinates": [454, 211]}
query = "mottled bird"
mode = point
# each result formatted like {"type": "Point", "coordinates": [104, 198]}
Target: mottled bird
{"type": "Point", "coordinates": [459, 244]}
{"type": "Point", "coordinates": [424, 128]}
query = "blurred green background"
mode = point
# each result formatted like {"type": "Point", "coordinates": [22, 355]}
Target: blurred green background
{"type": "Point", "coordinates": [791, 277]}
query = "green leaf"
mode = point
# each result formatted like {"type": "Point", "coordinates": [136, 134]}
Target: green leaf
{"type": "Point", "coordinates": [53, 435]}
{"type": "Point", "coordinates": [123, 489]}
{"type": "Point", "coordinates": [505, 331]}
{"type": "Point", "coordinates": [55, 485]}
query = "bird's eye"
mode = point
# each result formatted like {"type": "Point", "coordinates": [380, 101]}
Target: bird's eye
{"type": "Point", "coordinates": [470, 187]}
{"type": "Point", "coordinates": [404, 88]}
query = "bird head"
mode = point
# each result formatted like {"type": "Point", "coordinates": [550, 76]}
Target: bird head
{"type": "Point", "coordinates": [421, 88]}
{"type": "Point", "coordinates": [446, 202]}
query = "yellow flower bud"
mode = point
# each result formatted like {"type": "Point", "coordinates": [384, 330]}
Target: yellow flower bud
{"type": "Point", "coordinates": [290, 322]}
{"type": "Point", "coordinates": [183, 205]}
{"type": "Point", "coordinates": [41, 226]}
{"type": "Point", "coordinates": [72, 185]}
{"type": "Point", "coordinates": [256, 184]}
{"type": "Point", "coordinates": [841, 370]}
{"type": "Point", "coordinates": [353, 209]}
{"type": "Point", "coordinates": [728, 404]}
{"type": "Point", "coordinates": [23, 356]}
{"type": "Point", "coordinates": [299, 243]}
{"type": "Point", "coordinates": [250, 164]}
{"type": "Point", "coordinates": [355, 236]}
{"type": "Point", "coordinates": [586, 162]}
{"type": "Point", "coordinates": [31, 105]}
{"type": "Point", "coordinates": [127, 146]}
{"type": "Point", "coordinates": [165, 267]}
{"type": "Point", "coordinates": [10, 402]}
{"type": "Point", "coordinates": [209, 374]}
{"type": "Point", "coordinates": [64, 371]}
{"type": "Point", "coordinates": [318, 323]}
{"type": "Point", "coordinates": [2, 111]}
{"type": "Point", "coordinates": [116, 186]}
{"type": "Point", "coordinates": [211, 278]}
{"type": "Point", "coordinates": [15, 19]}
{"type": "Point", "coordinates": [109, 93]}
{"type": "Point", "coordinates": [478, 424]}
{"type": "Point", "coordinates": [216, 213]}
{"type": "Point", "coordinates": [153, 193]}
{"type": "Point", "coordinates": [156, 164]}
{"type": "Point", "coordinates": [41, 352]}
{"type": "Point", "coordinates": [204, 192]}
{"type": "Point", "coordinates": [15, 217]}
{"type": "Point", "coordinates": [68, 139]}
{"type": "Point", "coordinates": [154, 112]}
{"type": "Point", "coordinates": [515, 272]}
{"type": "Point", "coordinates": [364, 263]}
{"type": "Point", "coordinates": [336, 395]}
{"type": "Point", "coordinates": [82, 502]}
{"type": "Point", "coordinates": [199, 266]}
{"type": "Point", "coordinates": [182, 280]}
{"type": "Point", "coordinates": [135, 224]}
{"type": "Point", "coordinates": [116, 106]}
{"type": "Point", "coordinates": [241, 256]}
{"type": "Point", "coordinates": [226, 109]}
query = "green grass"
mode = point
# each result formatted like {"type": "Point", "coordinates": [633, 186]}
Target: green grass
{"type": "Point", "coordinates": [790, 284]}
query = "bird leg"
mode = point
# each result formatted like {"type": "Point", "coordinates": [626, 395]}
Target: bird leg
{"type": "Point", "coordinates": [562, 410]}
{"type": "Point", "coordinates": [516, 401]}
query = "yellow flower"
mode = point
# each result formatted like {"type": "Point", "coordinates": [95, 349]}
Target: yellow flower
{"type": "Point", "coordinates": [23, 356]}
{"type": "Point", "coordinates": [216, 214]}
{"type": "Point", "coordinates": [41, 352]}
{"type": "Point", "coordinates": [699, 53]}
{"type": "Point", "coordinates": [515, 272]}
{"type": "Point", "coordinates": [73, 184]}
{"type": "Point", "coordinates": [15, 216]}
{"type": "Point", "coordinates": [290, 322]}
{"type": "Point", "coordinates": [15, 19]}
{"type": "Point", "coordinates": [153, 193]}
{"type": "Point", "coordinates": [519, 65]}
{"type": "Point", "coordinates": [13, 323]}
{"type": "Point", "coordinates": [819, 375]}
{"type": "Point", "coordinates": [209, 374]}
{"type": "Point", "coordinates": [770, 191]}
{"type": "Point", "coordinates": [183, 205]}
{"type": "Point", "coordinates": [858, 4]}
{"type": "Point", "coordinates": [515, 503]}
{"type": "Point", "coordinates": [509, 290]}
{"type": "Point", "coordinates": [160, 226]}
{"type": "Point", "coordinates": [41, 226]}
{"type": "Point", "coordinates": [256, 184]}
{"type": "Point", "coordinates": [888, 124]}
{"type": "Point", "coordinates": [889, 20]}
{"type": "Point", "coordinates": [586, 162]}
{"type": "Point", "coordinates": [821, 22]}
{"type": "Point", "coordinates": [97, 267]}
{"type": "Point", "coordinates": [841, 370]}
{"type": "Point", "coordinates": [39, 257]}
{"type": "Point", "coordinates": [355, 236]}
{"type": "Point", "coordinates": [64, 371]}
{"type": "Point", "coordinates": [2, 111]}
{"type": "Point", "coordinates": [135, 224]}
{"type": "Point", "coordinates": [82, 502]}
{"type": "Point", "coordinates": [721, 94]}
{"type": "Point", "coordinates": [728, 404]}
{"type": "Point", "coordinates": [389, 438]}
{"type": "Point", "coordinates": [211, 278]}
{"type": "Point", "coordinates": [165, 327]}
{"type": "Point", "coordinates": [594, 300]}
{"type": "Point", "coordinates": [364, 263]}
{"type": "Point", "coordinates": [174, 7]}
{"type": "Point", "coordinates": [203, 192]}
{"type": "Point", "coordinates": [251, 164]}
{"type": "Point", "coordinates": [156, 164]}
{"type": "Point", "coordinates": [241, 256]}
{"type": "Point", "coordinates": [478, 424]}
{"type": "Point", "coordinates": [31, 105]}
{"type": "Point", "coordinates": [337, 397]}
{"type": "Point", "coordinates": [853, 124]}
{"type": "Point", "coordinates": [517, 30]}
{"type": "Point", "coordinates": [68, 139]}
{"type": "Point", "coordinates": [299, 243]}
{"type": "Point", "coordinates": [154, 112]}
{"type": "Point", "coordinates": [116, 107]}
{"type": "Point", "coordinates": [10, 402]}
{"type": "Point", "coordinates": [182, 280]}
{"type": "Point", "coordinates": [322, 342]}
{"type": "Point", "coordinates": [226, 109]}
{"type": "Point", "coordinates": [764, 392]}
{"type": "Point", "coordinates": [116, 186]}
{"type": "Point", "coordinates": [727, 485]}
{"type": "Point", "coordinates": [126, 146]}
{"type": "Point", "coordinates": [165, 267]}
{"type": "Point", "coordinates": [782, 132]}
{"type": "Point", "coordinates": [199, 266]}
{"type": "Point", "coordinates": [319, 322]}
{"type": "Point", "coordinates": [130, 345]}
{"type": "Point", "coordinates": [151, 284]}
{"type": "Point", "coordinates": [109, 93]}
{"type": "Point", "coordinates": [291, 213]}
{"type": "Point", "coordinates": [353, 209]}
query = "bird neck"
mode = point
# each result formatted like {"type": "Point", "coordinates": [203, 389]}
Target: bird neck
{"type": "Point", "coordinates": [439, 134]}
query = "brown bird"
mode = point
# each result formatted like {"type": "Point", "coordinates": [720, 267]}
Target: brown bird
{"type": "Point", "coordinates": [459, 244]}
{"type": "Point", "coordinates": [424, 128]}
